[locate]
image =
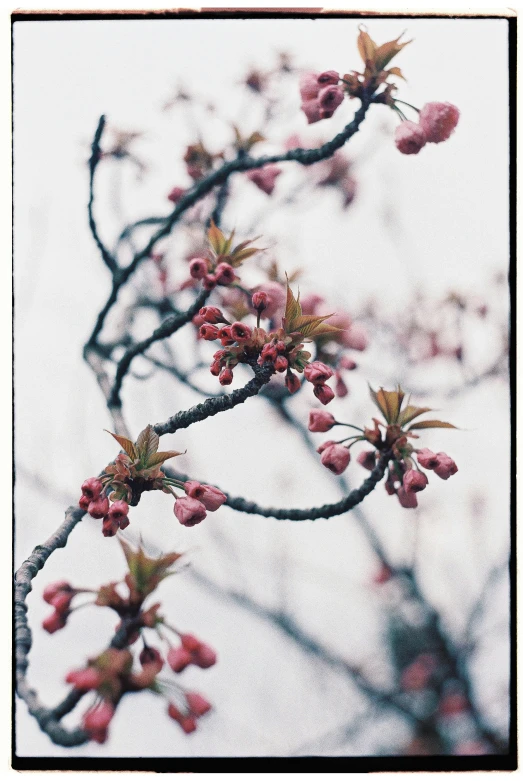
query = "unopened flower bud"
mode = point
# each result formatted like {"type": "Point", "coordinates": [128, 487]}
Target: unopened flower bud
{"type": "Point", "coordinates": [224, 274]}
{"type": "Point", "coordinates": [205, 656]}
{"type": "Point", "coordinates": [292, 382]}
{"type": "Point", "coordinates": [176, 193]}
{"type": "Point", "coordinates": [260, 300]}
{"type": "Point", "coordinates": [62, 601]}
{"type": "Point", "coordinates": [53, 589]}
{"type": "Point", "coordinates": [99, 507]}
{"type": "Point", "coordinates": [323, 393]}
{"type": "Point", "coordinates": [438, 121]}
{"type": "Point", "coordinates": [445, 467]}
{"type": "Point", "coordinates": [367, 459]}
{"type": "Point", "coordinates": [211, 314]}
{"type": "Point", "coordinates": [320, 420]}
{"type": "Point", "coordinates": [209, 332]}
{"type": "Point", "coordinates": [414, 481]}
{"type": "Point", "coordinates": [190, 643]}
{"type": "Point", "coordinates": [189, 511]}
{"type": "Point", "coordinates": [240, 332]}
{"type": "Point", "coordinates": [54, 622]}
{"type": "Point", "coordinates": [99, 717]}
{"type": "Point", "coordinates": [312, 110]}
{"type": "Point", "coordinates": [92, 488]}
{"type": "Point", "coordinates": [210, 282]}
{"type": "Point", "coordinates": [225, 376]}
{"type": "Point", "coordinates": [118, 510]}
{"type": "Point", "coordinates": [110, 526]}
{"type": "Point", "coordinates": [178, 659]}
{"type": "Point", "coordinates": [336, 458]}
{"type": "Point", "coordinates": [216, 368]}
{"type": "Point", "coordinates": [407, 498]}
{"type": "Point", "coordinates": [197, 704]}
{"type": "Point", "coordinates": [198, 268]}
{"type": "Point", "coordinates": [281, 363]}
{"type": "Point", "coordinates": [328, 77]}
{"type": "Point", "coordinates": [341, 388]}
{"type": "Point", "coordinates": [427, 458]}
{"type": "Point", "coordinates": [329, 99]}
{"type": "Point", "coordinates": [325, 445]}
{"type": "Point", "coordinates": [150, 655]}
{"type": "Point", "coordinates": [84, 680]}
{"type": "Point", "coordinates": [409, 138]}
{"type": "Point", "coordinates": [208, 495]}
{"type": "Point", "coordinates": [317, 372]}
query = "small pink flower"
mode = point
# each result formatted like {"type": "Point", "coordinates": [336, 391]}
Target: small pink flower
{"type": "Point", "coordinates": [205, 656]}
{"type": "Point", "coordinates": [281, 364]}
{"type": "Point", "coordinates": [224, 274]}
{"type": "Point", "coordinates": [446, 466]}
{"type": "Point", "coordinates": [209, 282]}
{"type": "Point", "coordinates": [209, 332]}
{"type": "Point", "coordinates": [312, 110]}
{"type": "Point", "coordinates": [118, 510]}
{"type": "Point", "coordinates": [197, 704]}
{"type": "Point", "coordinates": [216, 368]}
{"type": "Point", "coordinates": [84, 680]}
{"type": "Point", "coordinates": [62, 601]}
{"type": "Point", "coordinates": [407, 499]}
{"type": "Point", "coordinates": [54, 622]}
{"type": "Point", "coordinates": [309, 86]}
{"type": "Point", "coordinates": [265, 177]}
{"type": "Point", "coordinates": [409, 138]}
{"type": "Point", "coordinates": [276, 298]}
{"type": "Point", "coordinates": [226, 376]}
{"type": "Point", "coordinates": [110, 526]}
{"type": "Point", "coordinates": [99, 507]}
{"type": "Point", "coordinates": [211, 314]}
{"type": "Point", "coordinates": [367, 459]}
{"type": "Point", "coordinates": [178, 659]}
{"type": "Point", "coordinates": [99, 717]}
{"type": "Point", "coordinates": [438, 121]}
{"type": "Point", "coordinates": [427, 458]}
{"type": "Point", "coordinates": [176, 193]}
{"type": "Point", "coordinates": [328, 77]}
{"type": "Point", "coordinates": [198, 268]}
{"type": "Point", "coordinates": [84, 502]}
{"type": "Point", "coordinates": [323, 393]}
{"type": "Point", "coordinates": [240, 332]}
{"type": "Point", "coordinates": [320, 420]}
{"type": "Point", "coordinates": [336, 458]}
{"type": "Point", "coordinates": [317, 372]}
{"type": "Point", "coordinates": [92, 488]}
{"type": "Point", "coordinates": [260, 301]}
{"type": "Point", "coordinates": [53, 589]}
{"type": "Point", "coordinates": [329, 99]}
{"type": "Point", "coordinates": [190, 643]}
{"type": "Point", "coordinates": [414, 481]}
{"type": "Point", "coordinates": [189, 511]}
{"type": "Point", "coordinates": [208, 495]}
{"type": "Point", "coordinates": [292, 382]}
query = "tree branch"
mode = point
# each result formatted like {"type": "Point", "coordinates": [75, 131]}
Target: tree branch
{"type": "Point", "coordinates": [108, 259]}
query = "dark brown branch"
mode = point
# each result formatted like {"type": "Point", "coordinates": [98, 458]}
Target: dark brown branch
{"type": "Point", "coordinates": [108, 259]}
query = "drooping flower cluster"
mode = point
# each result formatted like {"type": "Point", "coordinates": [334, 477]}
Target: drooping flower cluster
{"type": "Point", "coordinates": [437, 122]}
{"type": "Point", "coordinates": [321, 95]}
{"type": "Point", "coordinates": [405, 477]}
{"type": "Point", "coordinates": [114, 672]}
{"type": "Point", "coordinates": [282, 349]}
{"type": "Point", "coordinates": [138, 470]}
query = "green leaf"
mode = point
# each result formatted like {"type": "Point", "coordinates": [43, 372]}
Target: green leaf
{"type": "Point", "coordinates": [147, 444]}
{"type": "Point", "coordinates": [411, 412]}
{"type": "Point", "coordinates": [216, 238]}
{"type": "Point", "coordinates": [431, 424]}
{"type": "Point", "coordinates": [159, 458]}
{"type": "Point", "coordinates": [387, 51]}
{"type": "Point", "coordinates": [126, 444]}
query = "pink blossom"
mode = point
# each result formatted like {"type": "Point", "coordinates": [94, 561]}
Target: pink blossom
{"type": "Point", "coordinates": [265, 177]}
{"type": "Point", "coordinates": [198, 268]}
{"type": "Point", "coordinates": [328, 77]}
{"type": "Point", "coordinates": [176, 193]}
{"type": "Point", "coordinates": [187, 723]}
{"type": "Point", "coordinates": [240, 332]}
{"type": "Point", "coordinates": [312, 110]}
{"type": "Point", "coordinates": [317, 372]}
{"type": "Point", "coordinates": [178, 659]}
{"type": "Point", "coordinates": [99, 717]}
{"type": "Point", "coordinates": [205, 656]}
{"type": "Point", "coordinates": [407, 498]}
{"type": "Point", "coordinates": [189, 511]}
{"type": "Point", "coordinates": [341, 387]}
{"type": "Point", "coordinates": [325, 445]}
{"type": "Point", "coordinates": [427, 458]}
{"type": "Point", "coordinates": [329, 99]}
{"type": "Point", "coordinates": [211, 314]}
{"type": "Point", "coordinates": [62, 601]}
{"type": "Point", "coordinates": [197, 704]}
{"type": "Point", "coordinates": [320, 420]}
{"type": "Point", "coordinates": [281, 363]}
{"type": "Point", "coordinates": [92, 488]}
{"type": "Point", "coordinates": [260, 301]}
{"type": "Point", "coordinates": [292, 382]}
{"type": "Point", "coordinates": [414, 481]}
{"type": "Point", "coordinates": [53, 589]}
{"type": "Point", "coordinates": [367, 459]}
{"type": "Point", "coordinates": [118, 510]}
{"type": "Point", "coordinates": [190, 642]}
{"type": "Point", "coordinates": [99, 507]}
{"type": "Point", "coordinates": [150, 655]}
{"type": "Point", "coordinates": [409, 138]}
{"type": "Point", "coordinates": [208, 332]}
{"type": "Point", "coordinates": [277, 297]}
{"type": "Point", "coordinates": [224, 274]}
{"type": "Point", "coordinates": [110, 526]}
{"type": "Point", "coordinates": [309, 86]}
{"type": "Point", "coordinates": [323, 393]}
{"type": "Point", "coordinates": [84, 680]}
{"type": "Point", "coordinates": [438, 121]}
{"type": "Point", "coordinates": [54, 622]}
{"type": "Point", "coordinates": [336, 458]}
{"type": "Point", "coordinates": [208, 495]}
{"type": "Point", "coordinates": [446, 466]}
{"type": "Point", "coordinates": [226, 376]}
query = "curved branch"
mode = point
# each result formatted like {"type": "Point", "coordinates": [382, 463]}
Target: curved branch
{"type": "Point", "coordinates": [211, 407]}
{"type": "Point", "coordinates": [169, 326]}
{"type": "Point", "coordinates": [108, 259]}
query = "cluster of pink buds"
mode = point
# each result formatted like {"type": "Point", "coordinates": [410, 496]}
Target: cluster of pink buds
{"type": "Point", "coordinates": [59, 595]}
{"type": "Point", "coordinates": [96, 503]}
{"type": "Point", "coordinates": [405, 479]}
{"type": "Point", "coordinates": [195, 706]}
{"type": "Point", "coordinates": [201, 498]}
{"type": "Point", "coordinates": [321, 95]}
{"type": "Point", "coordinates": [318, 373]}
{"type": "Point", "coordinates": [191, 651]}
{"type": "Point", "coordinates": [211, 275]}
{"type": "Point", "coordinates": [437, 122]}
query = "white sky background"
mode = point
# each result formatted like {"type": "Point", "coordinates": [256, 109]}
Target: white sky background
{"type": "Point", "coordinates": [450, 205]}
